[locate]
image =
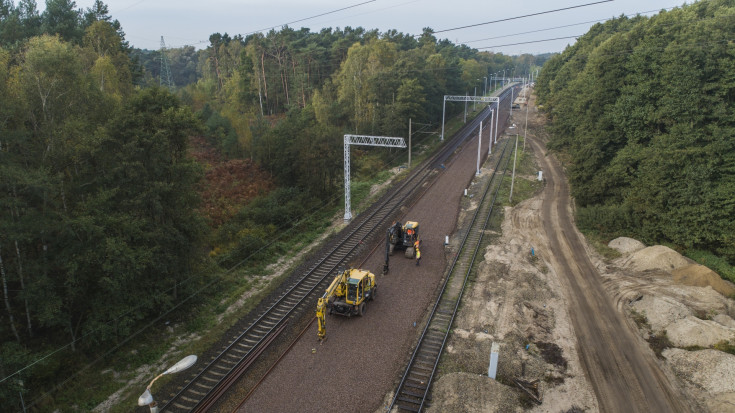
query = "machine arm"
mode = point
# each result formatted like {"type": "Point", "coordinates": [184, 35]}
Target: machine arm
{"type": "Point", "coordinates": [323, 303]}
{"type": "Point", "coordinates": [321, 319]}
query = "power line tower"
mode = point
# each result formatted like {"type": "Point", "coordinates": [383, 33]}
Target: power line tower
{"type": "Point", "coordinates": [165, 75]}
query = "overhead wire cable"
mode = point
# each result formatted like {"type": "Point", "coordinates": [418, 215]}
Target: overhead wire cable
{"type": "Point", "coordinates": [521, 17]}
{"type": "Point", "coordinates": [567, 25]}
{"type": "Point", "coordinates": [313, 17]}
{"type": "Point", "coordinates": [294, 21]}
{"type": "Point", "coordinates": [533, 41]}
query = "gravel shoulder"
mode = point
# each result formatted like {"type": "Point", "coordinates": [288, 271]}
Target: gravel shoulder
{"type": "Point", "coordinates": [361, 362]}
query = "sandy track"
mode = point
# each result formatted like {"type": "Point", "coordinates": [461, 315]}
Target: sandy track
{"type": "Point", "coordinates": [623, 373]}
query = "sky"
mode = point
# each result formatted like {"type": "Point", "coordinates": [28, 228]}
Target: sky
{"type": "Point", "coordinates": [190, 22]}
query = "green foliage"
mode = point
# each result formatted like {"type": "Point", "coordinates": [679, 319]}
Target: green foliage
{"type": "Point", "coordinates": [100, 231]}
{"type": "Point", "coordinates": [607, 220]}
{"type": "Point", "coordinates": [726, 346]}
{"type": "Point", "coordinates": [659, 342]}
{"type": "Point", "coordinates": [644, 109]}
{"type": "Point", "coordinates": [265, 228]}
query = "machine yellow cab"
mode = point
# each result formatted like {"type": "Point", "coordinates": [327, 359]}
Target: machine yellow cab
{"type": "Point", "coordinates": [346, 295]}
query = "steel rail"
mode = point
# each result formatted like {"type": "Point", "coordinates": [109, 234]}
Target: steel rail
{"type": "Point", "coordinates": [211, 381]}
{"type": "Point", "coordinates": [415, 384]}
{"type": "Point", "coordinates": [196, 392]}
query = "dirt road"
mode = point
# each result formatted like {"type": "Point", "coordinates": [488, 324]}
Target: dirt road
{"type": "Point", "coordinates": [624, 376]}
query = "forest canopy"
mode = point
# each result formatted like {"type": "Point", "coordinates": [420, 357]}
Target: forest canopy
{"type": "Point", "coordinates": [645, 110]}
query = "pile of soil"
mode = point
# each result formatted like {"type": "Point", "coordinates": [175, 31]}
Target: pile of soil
{"type": "Point", "coordinates": [700, 276]}
{"type": "Point", "coordinates": [657, 257]}
{"type": "Point", "coordinates": [710, 371]}
{"type": "Point", "coordinates": [626, 245]}
{"type": "Point", "coordinates": [661, 311]}
{"type": "Point", "coordinates": [691, 331]}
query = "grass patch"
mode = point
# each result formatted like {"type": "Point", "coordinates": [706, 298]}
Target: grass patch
{"type": "Point", "coordinates": [599, 243]}
{"type": "Point", "coordinates": [725, 346]}
{"type": "Point", "coordinates": [640, 320]}
{"type": "Point", "coordinates": [659, 342]}
{"type": "Point", "coordinates": [523, 188]}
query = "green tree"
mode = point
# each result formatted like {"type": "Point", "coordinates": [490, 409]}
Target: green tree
{"type": "Point", "coordinates": [61, 17]}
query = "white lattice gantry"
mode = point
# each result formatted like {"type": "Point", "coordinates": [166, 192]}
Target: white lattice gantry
{"type": "Point", "coordinates": [364, 140]}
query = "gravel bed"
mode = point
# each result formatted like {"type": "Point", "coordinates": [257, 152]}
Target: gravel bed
{"type": "Point", "coordinates": [363, 358]}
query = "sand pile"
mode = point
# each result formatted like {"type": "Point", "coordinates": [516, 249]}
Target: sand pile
{"type": "Point", "coordinates": [691, 331]}
{"type": "Point", "coordinates": [661, 311]}
{"type": "Point", "coordinates": [700, 276]}
{"type": "Point", "coordinates": [711, 370]}
{"type": "Point", "coordinates": [657, 257]}
{"type": "Point", "coordinates": [626, 245]}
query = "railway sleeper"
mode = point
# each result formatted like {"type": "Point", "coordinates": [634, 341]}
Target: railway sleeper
{"type": "Point", "coordinates": [419, 386]}
{"type": "Point", "coordinates": [420, 366]}
{"type": "Point", "coordinates": [183, 407]}
{"type": "Point", "coordinates": [412, 394]}
{"type": "Point", "coordinates": [219, 370]}
{"type": "Point", "coordinates": [410, 407]}
{"type": "Point", "coordinates": [425, 346]}
{"type": "Point", "coordinates": [213, 380]}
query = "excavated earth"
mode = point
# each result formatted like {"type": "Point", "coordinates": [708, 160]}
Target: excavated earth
{"type": "Point", "coordinates": [536, 307]}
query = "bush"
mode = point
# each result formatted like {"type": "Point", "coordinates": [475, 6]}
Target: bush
{"type": "Point", "coordinates": [607, 220]}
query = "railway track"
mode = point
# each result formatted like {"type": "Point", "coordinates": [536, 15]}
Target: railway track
{"type": "Point", "coordinates": [211, 381]}
{"type": "Point", "coordinates": [415, 384]}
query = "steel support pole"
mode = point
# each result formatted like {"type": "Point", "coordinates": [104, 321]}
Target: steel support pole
{"type": "Point", "coordinates": [525, 132]}
{"type": "Point", "coordinates": [496, 121]}
{"type": "Point", "coordinates": [479, 145]}
{"type": "Point", "coordinates": [444, 111]}
{"type": "Point", "coordinates": [465, 108]}
{"type": "Point", "coordinates": [409, 142]}
{"type": "Point", "coordinates": [348, 213]}
{"type": "Point", "coordinates": [513, 178]}
{"type": "Point", "coordinates": [490, 136]}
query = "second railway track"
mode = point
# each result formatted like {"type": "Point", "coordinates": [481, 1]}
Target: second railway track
{"type": "Point", "coordinates": [208, 384]}
{"type": "Point", "coordinates": [415, 384]}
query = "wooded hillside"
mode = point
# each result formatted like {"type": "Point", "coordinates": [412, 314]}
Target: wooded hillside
{"type": "Point", "coordinates": [645, 110]}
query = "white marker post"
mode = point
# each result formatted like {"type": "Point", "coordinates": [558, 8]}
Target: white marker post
{"type": "Point", "coordinates": [479, 144]}
{"type": "Point", "coordinates": [492, 369]}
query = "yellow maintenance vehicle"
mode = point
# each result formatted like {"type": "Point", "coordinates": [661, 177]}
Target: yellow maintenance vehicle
{"type": "Point", "coordinates": [403, 237]}
{"type": "Point", "coordinates": [346, 295]}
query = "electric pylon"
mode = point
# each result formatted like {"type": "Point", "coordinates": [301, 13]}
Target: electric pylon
{"type": "Point", "coordinates": [165, 76]}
